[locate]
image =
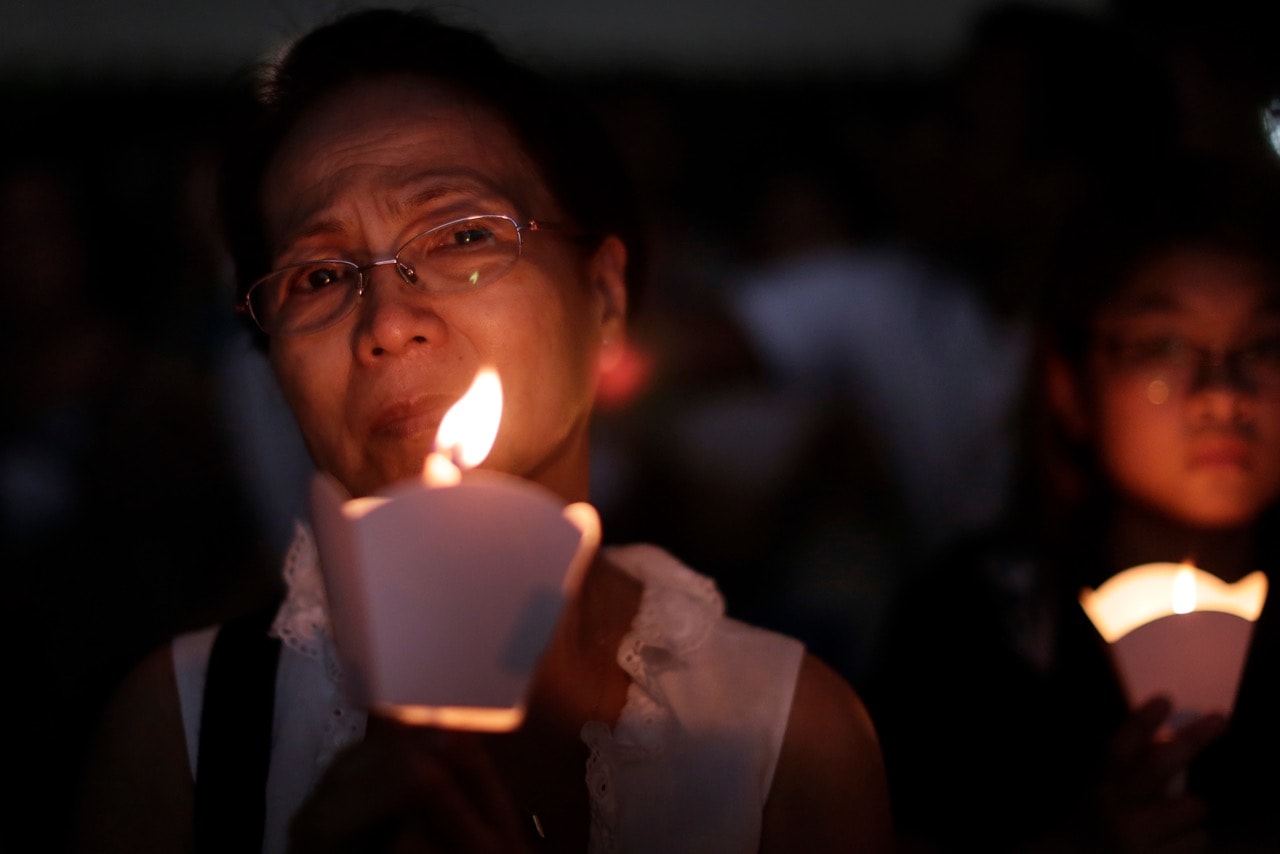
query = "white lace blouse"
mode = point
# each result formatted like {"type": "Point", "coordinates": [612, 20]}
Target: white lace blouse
{"type": "Point", "coordinates": [687, 768]}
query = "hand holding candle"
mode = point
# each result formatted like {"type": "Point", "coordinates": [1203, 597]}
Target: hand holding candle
{"type": "Point", "coordinates": [1175, 629]}
{"type": "Point", "coordinates": [444, 591]}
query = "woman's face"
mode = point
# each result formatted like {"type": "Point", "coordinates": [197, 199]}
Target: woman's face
{"type": "Point", "coordinates": [1179, 427]}
{"type": "Point", "coordinates": [366, 169]}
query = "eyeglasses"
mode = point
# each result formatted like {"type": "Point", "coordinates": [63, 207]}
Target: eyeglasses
{"type": "Point", "coordinates": [460, 255]}
{"type": "Point", "coordinates": [1175, 365]}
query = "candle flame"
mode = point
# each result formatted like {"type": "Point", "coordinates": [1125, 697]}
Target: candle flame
{"type": "Point", "coordinates": [468, 429]}
{"type": "Point", "coordinates": [1184, 591]}
{"type": "Point", "coordinates": [438, 470]}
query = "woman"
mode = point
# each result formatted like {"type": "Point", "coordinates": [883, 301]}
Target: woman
{"type": "Point", "coordinates": [1155, 437]}
{"type": "Point", "coordinates": [386, 140]}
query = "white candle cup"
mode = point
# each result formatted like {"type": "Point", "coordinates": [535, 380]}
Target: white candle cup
{"type": "Point", "coordinates": [1193, 652]}
{"type": "Point", "coordinates": [442, 598]}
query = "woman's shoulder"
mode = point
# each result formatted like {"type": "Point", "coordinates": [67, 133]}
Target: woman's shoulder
{"type": "Point", "coordinates": [136, 789]}
{"type": "Point", "coordinates": [682, 611]}
{"type": "Point", "coordinates": [830, 790]}
{"type": "Point", "coordinates": [690, 663]}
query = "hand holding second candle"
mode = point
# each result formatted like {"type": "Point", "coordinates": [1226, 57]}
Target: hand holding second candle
{"type": "Point", "coordinates": [1141, 798]}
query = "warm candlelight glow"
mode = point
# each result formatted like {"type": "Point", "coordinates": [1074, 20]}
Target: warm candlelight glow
{"type": "Point", "coordinates": [468, 429]}
{"type": "Point", "coordinates": [439, 471]}
{"type": "Point", "coordinates": [1143, 593]}
{"type": "Point", "coordinates": [1173, 629]}
{"type": "Point", "coordinates": [1184, 591]}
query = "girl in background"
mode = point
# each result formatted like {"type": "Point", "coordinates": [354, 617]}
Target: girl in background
{"type": "Point", "coordinates": [1153, 413]}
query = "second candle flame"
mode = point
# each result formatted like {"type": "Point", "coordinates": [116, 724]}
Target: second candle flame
{"type": "Point", "coordinates": [1184, 591]}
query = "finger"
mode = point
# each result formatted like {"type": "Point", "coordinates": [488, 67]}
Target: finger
{"type": "Point", "coordinates": [1137, 732]}
{"type": "Point", "coordinates": [360, 798]}
{"type": "Point", "coordinates": [476, 774]}
{"type": "Point", "coordinates": [1167, 760]}
{"type": "Point", "coordinates": [1203, 731]}
{"type": "Point", "coordinates": [456, 789]}
{"type": "Point", "coordinates": [397, 789]}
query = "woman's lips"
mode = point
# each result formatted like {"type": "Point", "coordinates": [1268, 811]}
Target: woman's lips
{"type": "Point", "coordinates": [409, 419]}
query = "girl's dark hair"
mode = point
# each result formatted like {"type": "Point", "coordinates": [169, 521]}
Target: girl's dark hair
{"type": "Point", "coordinates": [1184, 200]}
{"type": "Point", "coordinates": [576, 158]}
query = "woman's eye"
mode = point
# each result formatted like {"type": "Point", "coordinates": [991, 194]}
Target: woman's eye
{"type": "Point", "coordinates": [321, 277]}
{"type": "Point", "coordinates": [314, 279]}
{"type": "Point", "coordinates": [318, 279]}
{"type": "Point", "coordinates": [471, 236]}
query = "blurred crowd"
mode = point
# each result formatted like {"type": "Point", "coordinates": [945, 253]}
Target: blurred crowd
{"type": "Point", "coordinates": [828, 358]}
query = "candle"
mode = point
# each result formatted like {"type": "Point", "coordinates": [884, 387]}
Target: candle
{"type": "Point", "coordinates": [445, 589]}
{"type": "Point", "coordinates": [1174, 629]}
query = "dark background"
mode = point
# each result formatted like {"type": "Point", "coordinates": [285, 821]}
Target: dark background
{"type": "Point", "coordinates": [147, 476]}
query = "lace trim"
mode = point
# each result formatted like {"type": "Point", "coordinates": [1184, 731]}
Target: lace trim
{"type": "Point", "coordinates": [677, 612]}
{"type": "Point", "coordinates": [302, 624]}
{"type": "Point", "coordinates": [604, 804]}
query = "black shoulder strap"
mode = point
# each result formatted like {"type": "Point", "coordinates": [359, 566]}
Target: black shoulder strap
{"type": "Point", "coordinates": [235, 736]}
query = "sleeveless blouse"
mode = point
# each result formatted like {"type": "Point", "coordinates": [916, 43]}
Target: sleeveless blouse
{"type": "Point", "coordinates": [687, 768]}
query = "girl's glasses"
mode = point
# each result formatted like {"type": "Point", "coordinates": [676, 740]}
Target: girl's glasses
{"type": "Point", "coordinates": [1184, 367]}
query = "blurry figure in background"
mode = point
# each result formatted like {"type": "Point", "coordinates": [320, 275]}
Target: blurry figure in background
{"type": "Point", "coordinates": [119, 521]}
{"type": "Point", "coordinates": [1041, 100]}
{"type": "Point", "coordinates": [60, 349]}
{"type": "Point", "coordinates": [877, 317]}
{"type": "Point", "coordinates": [874, 419]}
{"type": "Point", "coordinates": [1153, 435]}
{"type": "Point", "coordinates": [409, 206]}
{"type": "Point", "coordinates": [921, 375]}
{"type": "Point", "coordinates": [1271, 123]}
{"type": "Point", "coordinates": [266, 449]}
{"type": "Point", "coordinates": [1222, 59]}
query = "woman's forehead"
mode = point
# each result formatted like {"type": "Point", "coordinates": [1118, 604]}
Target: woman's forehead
{"type": "Point", "coordinates": [420, 196]}
{"type": "Point", "coordinates": [398, 135]}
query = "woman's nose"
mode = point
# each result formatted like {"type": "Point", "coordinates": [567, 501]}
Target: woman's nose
{"type": "Point", "coordinates": [394, 316]}
{"type": "Point", "coordinates": [366, 272]}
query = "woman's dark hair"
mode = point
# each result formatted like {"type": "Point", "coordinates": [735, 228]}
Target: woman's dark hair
{"type": "Point", "coordinates": [577, 159]}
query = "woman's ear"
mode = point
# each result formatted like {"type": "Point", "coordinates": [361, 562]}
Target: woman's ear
{"type": "Point", "coordinates": [608, 277]}
{"type": "Point", "coordinates": [1066, 397]}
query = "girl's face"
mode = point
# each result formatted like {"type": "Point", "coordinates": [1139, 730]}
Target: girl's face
{"type": "Point", "coordinates": [1181, 396]}
{"type": "Point", "coordinates": [371, 166]}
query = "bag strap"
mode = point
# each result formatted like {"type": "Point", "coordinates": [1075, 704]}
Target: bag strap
{"type": "Point", "coordinates": [235, 735]}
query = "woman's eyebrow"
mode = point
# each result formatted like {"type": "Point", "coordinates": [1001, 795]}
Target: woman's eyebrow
{"type": "Point", "coordinates": [321, 228]}
{"type": "Point", "coordinates": [461, 186]}
{"type": "Point", "coordinates": [451, 190]}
